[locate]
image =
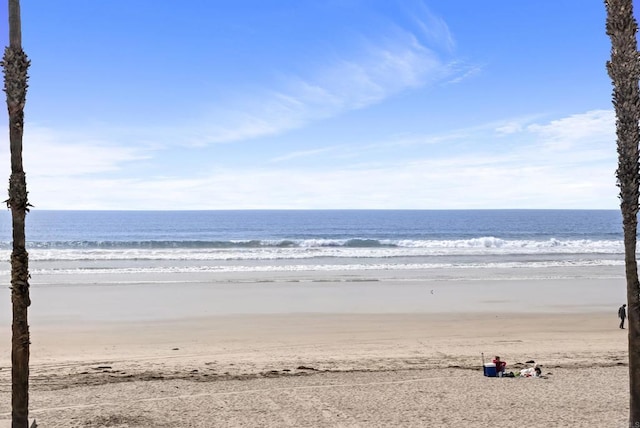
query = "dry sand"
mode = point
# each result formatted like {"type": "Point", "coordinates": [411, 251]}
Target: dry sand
{"type": "Point", "coordinates": [328, 370]}
{"type": "Point", "coordinates": [371, 359]}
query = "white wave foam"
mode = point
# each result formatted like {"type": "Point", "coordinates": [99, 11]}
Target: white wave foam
{"type": "Point", "coordinates": [486, 246]}
{"type": "Point", "coordinates": [322, 267]}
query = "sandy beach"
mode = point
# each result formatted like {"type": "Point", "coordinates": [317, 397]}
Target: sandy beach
{"type": "Point", "coordinates": [341, 349]}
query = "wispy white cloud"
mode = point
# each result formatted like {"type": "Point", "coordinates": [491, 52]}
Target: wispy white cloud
{"type": "Point", "coordinates": [434, 28]}
{"type": "Point", "coordinates": [527, 139]}
{"type": "Point", "coordinates": [572, 140]}
{"type": "Point", "coordinates": [463, 72]}
{"type": "Point", "coordinates": [577, 131]}
{"type": "Point", "coordinates": [528, 174]}
{"type": "Point", "coordinates": [301, 154]}
{"type": "Point", "coordinates": [52, 153]}
{"type": "Point", "coordinates": [383, 66]}
{"type": "Point", "coordinates": [509, 128]}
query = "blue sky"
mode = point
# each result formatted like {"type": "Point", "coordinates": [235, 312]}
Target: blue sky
{"type": "Point", "coordinates": [290, 104]}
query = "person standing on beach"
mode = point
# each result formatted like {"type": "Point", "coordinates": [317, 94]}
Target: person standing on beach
{"type": "Point", "coordinates": [622, 314]}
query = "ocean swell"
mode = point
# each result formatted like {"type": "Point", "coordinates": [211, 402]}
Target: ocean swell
{"type": "Point", "coordinates": [312, 248]}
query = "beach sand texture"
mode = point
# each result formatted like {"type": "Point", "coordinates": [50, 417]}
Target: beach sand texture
{"type": "Point", "coordinates": [332, 350]}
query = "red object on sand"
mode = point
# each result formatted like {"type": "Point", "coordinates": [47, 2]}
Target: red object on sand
{"type": "Point", "coordinates": [500, 365]}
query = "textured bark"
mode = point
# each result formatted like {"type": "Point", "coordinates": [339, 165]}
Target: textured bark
{"type": "Point", "coordinates": [15, 65]}
{"type": "Point", "coordinates": [624, 70]}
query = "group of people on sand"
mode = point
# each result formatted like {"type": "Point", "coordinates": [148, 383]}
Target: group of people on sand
{"type": "Point", "coordinates": [501, 369]}
{"type": "Point", "coordinates": [535, 371]}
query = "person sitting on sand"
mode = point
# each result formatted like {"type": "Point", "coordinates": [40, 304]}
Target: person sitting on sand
{"type": "Point", "coordinates": [500, 365]}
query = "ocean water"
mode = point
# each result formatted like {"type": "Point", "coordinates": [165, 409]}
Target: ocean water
{"type": "Point", "coordinates": [321, 240]}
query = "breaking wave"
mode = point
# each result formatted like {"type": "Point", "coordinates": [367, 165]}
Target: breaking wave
{"type": "Point", "coordinates": [310, 248]}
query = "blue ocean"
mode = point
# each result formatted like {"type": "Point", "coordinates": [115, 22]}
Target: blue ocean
{"type": "Point", "coordinates": [318, 239]}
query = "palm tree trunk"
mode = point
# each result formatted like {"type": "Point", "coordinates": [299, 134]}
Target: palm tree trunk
{"type": "Point", "coordinates": [15, 64]}
{"type": "Point", "coordinates": [624, 70]}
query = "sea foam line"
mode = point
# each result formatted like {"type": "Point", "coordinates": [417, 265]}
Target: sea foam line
{"type": "Point", "coordinates": [308, 249]}
{"type": "Point", "coordinates": [322, 267]}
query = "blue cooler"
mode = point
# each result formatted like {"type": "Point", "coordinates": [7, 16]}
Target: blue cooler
{"type": "Point", "coordinates": [490, 370]}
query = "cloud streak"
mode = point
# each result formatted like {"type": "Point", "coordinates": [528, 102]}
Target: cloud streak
{"type": "Point", "coordinates": [575, 170]}
{"type": "Point", "coordinates": [52, 153]}
{"type": "Point", "coordinates": [382, 67]}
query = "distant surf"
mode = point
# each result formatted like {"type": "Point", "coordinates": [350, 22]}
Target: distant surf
{"type": "Point", "coordinates": [272, 241]}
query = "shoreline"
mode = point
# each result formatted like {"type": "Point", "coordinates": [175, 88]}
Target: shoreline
{"type": "Point", "coordinates": [71, 298]}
